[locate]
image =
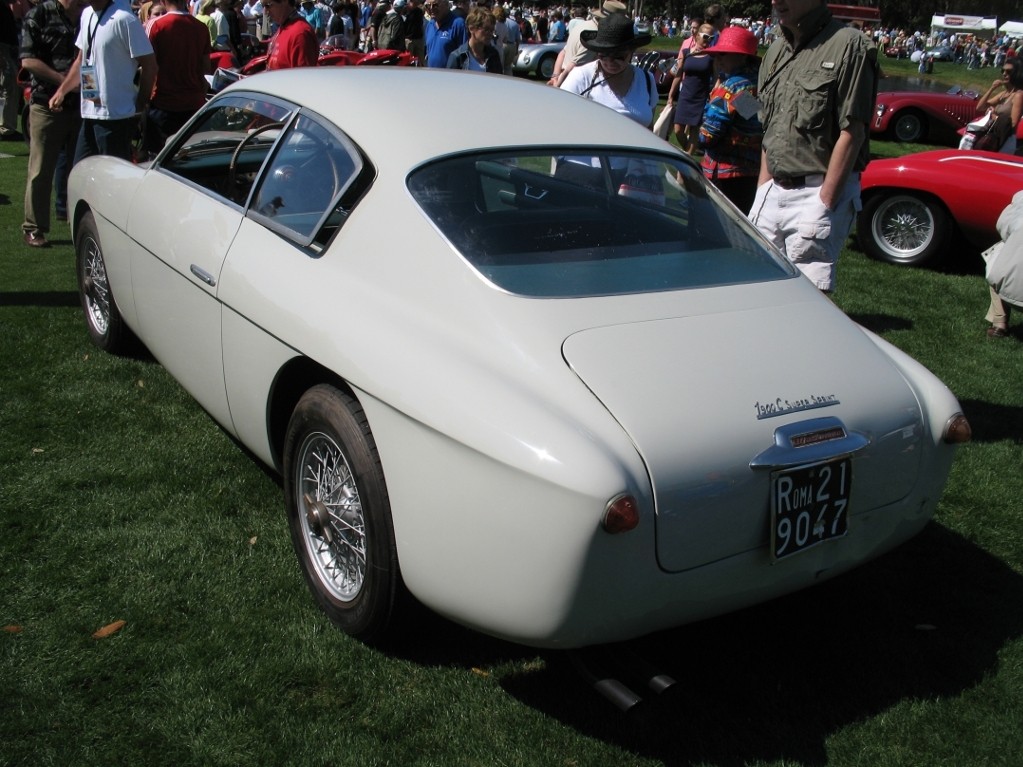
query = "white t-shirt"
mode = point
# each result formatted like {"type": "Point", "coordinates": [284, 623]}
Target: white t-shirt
{"type": "Point", "coordinates": [110, 45]}
{"type": "Point", "coordinates": [638, 104]}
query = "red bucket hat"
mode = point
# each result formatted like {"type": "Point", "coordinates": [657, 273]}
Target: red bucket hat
{"type": "Point", "coordinates": [735, 40]}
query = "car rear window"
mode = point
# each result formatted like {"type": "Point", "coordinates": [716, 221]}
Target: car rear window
{"type": "Point", "coordinates": [591, 222]}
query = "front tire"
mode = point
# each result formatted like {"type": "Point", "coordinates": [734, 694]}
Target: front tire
{"type": "Point", "coordinates": [904, 229]}
{"type": "Point", "coordinates": [102, 317]}
{"type": "Point", "coordinates": [909, 126]}
{"type": "Point", "coordinates": [339, 513]}
{"type": "Point", "coordinates": [545, 67]}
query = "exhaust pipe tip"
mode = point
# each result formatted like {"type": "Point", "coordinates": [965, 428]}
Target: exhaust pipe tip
{"type": "Point", "coordinates": [621, 696]}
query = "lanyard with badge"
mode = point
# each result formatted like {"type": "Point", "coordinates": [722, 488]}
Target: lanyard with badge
{"type": "Point", "coordinates": [90, 83]}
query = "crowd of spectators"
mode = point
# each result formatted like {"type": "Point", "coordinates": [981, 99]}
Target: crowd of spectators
{"type": "Point", "coordinates": [973, 50]}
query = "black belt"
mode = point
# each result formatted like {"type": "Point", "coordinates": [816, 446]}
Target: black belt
{"type": "Point", "coordinates": [790, 182]}
{"type": "Point", "coordinates": [71, 100]}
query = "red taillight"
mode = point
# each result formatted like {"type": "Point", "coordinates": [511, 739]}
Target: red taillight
{"type": "Point", "coordinates": [957, 430]}
{"type": "Point", "coordinates": [621, 514]}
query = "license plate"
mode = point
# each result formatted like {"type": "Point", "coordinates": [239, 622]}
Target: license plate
{"type": "Point", "coordinates": [809, 505]}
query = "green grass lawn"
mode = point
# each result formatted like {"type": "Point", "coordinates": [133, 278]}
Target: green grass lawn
{"type": "Point", "coordinates": [121, 500]}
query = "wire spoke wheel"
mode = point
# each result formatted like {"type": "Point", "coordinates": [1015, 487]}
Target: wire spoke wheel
{"type": "Point", "coordinates": [906, 228]}
{"type": "Point", "coordinates": [339, 513]}
{"type": "Point", "coordinates": [332, 518]}
{"type": "Point", "coordinates": [102, 317]}
{"type": "Point", "coordinates": [903, 229]}
{"type": "Point", "coordinates": [95, 286]}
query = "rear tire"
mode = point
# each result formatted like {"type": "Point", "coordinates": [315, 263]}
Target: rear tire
{"type": "Point", "coordinates": [339, 513]}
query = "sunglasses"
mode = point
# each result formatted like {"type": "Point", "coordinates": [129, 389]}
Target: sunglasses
{"type": "Point", "coordinates": [706, 38]}
{"type": "Point", "coordinates": [614, 56]}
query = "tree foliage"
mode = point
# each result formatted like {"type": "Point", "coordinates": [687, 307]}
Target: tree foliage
{"type": "Point", "coordinates": [911, 15]}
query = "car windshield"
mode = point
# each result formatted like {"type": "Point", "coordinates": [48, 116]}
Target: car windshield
{"type": "Point", "coordinates": [591, 222]}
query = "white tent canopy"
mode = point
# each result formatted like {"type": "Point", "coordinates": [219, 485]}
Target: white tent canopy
{"type": "Point", "coordinates": [959, 23]}
{"type": "Point", "coordinates": [1013, 28]}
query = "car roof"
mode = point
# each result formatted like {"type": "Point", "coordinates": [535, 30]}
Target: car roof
{"type": "Point", "coordinates": [409, 115]}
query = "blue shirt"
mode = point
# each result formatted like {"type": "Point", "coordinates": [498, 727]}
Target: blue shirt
{"type": "Point", "coordinates": [312, 16]}
{"type": "Point", "coordinates": [443, 40]}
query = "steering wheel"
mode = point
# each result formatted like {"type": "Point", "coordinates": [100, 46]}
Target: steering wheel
{"type": "Point", "coordinates": [320, 153]}
{"type": "Point", "coordinates": [232, 168]}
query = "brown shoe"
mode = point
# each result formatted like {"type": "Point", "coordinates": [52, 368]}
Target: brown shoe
{"type": "Point", "coordinates": [996, 332]}
{"type": "Point", "coordinates": [36, 240]}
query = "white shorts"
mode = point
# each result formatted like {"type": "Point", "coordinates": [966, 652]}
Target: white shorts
{"type": "Point", "coordinates": [809, 234]}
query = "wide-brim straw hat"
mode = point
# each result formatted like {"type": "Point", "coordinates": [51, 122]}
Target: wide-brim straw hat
{"type": "Point", "coordinates": [609, 7]}
{"type": "Point", "coordinates": [614, 32]}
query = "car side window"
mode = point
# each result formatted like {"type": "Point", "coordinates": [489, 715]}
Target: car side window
{"type": "Point", "coordinates": [225, 148]}
{"type": "Point", "coordinates": [306, 190]}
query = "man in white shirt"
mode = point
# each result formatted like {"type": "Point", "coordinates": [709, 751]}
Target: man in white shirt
{"type": "Point", "coordinates": [112, 45]}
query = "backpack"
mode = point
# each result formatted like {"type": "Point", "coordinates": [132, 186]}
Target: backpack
{"type": "Point", "coordinates": [391, 35]}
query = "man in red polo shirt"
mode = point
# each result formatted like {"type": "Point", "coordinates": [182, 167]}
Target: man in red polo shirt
{"type": "Point", "coordinates": [182, 46]}
{"type": "Point", "coordinates": [294, 44]}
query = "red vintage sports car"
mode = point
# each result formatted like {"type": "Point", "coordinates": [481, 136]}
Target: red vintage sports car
{"type": "Point", "coordinates": [335, 57]}
{"type": "Point", "coordinates": [661, 63]}
{"type": "Point", "coordinates": [913, 116]}
{"type": "Point", "coordinates": [912, 205]}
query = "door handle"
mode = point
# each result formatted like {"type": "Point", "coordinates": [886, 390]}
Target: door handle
{"type": "Point", "coordinates": [203, 275]}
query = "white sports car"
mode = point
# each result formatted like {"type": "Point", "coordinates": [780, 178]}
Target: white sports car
{"type": "Point", "coordinates": [537, 59]}
{"type": "Point", "coordinates": [539, 375]}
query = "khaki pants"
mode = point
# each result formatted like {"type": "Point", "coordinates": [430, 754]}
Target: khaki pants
{"type": "Point", "coordinates": [508, 56]}
{"type": "Point", "coordinates": [49, 133]}
{"type": "Point", "coordinates": [998, 311]}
